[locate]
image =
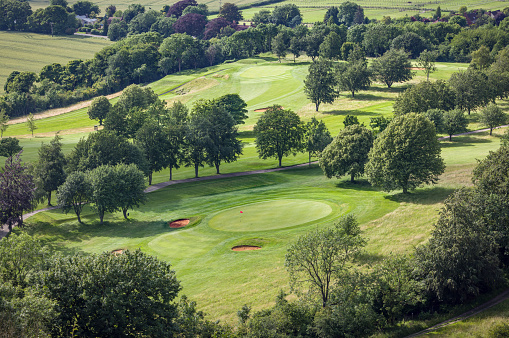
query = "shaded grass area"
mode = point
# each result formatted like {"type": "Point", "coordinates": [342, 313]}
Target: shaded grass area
{"type": "Point", "coordinates": [221, 280]}
{"type": "Point", "coordinates": [30, 51]}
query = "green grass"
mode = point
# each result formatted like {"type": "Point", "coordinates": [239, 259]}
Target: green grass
{"type": "Point", "coordinates": [278, 207]}
{"type": "Point", "coordinates": [30, 51]}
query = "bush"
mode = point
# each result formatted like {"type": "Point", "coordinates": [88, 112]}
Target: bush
{"type": "Point", "coordinates": [95, 32]}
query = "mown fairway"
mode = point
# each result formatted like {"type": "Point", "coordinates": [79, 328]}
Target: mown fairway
{"type": "Point", "coordinates": [277, 208]}
{"type": "Point", "coordinates": [30, 51]}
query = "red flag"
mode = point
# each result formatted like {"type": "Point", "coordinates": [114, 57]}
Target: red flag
{"type": "Point", "coordinates": [241, 212]}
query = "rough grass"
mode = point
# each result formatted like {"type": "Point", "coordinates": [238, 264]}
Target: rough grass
{"type": "Point", "coordinates": [30, 51]}
{"type": "Point", "coordinates": [222, 280]}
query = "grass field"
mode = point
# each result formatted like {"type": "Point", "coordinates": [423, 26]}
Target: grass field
{"type": "Point", "coordinates": [277, 208]}
{"type": "Point", "coordinates": [30, 51]}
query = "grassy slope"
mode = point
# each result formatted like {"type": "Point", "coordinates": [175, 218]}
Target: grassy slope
{"type": "Point", "coordinates": [221, 280]}
{"type": "Point", "coordinates": [18, 51]}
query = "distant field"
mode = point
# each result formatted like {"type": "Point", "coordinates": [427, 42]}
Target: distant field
{"type": "Point", "coordinates": [30, 52]}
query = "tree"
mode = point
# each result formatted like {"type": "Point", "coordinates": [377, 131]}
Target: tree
{"type": "Point", "coordinates": [279, 132]}
{"type": "Point", "coordinates": [471, 89]}
{"type": "Point", "coordinates": [195, 142]}
{"type": "Point", "coordinates": [234, 105]}
{"type": "Point", "coordinates": [17, 191]}
{"type": "Point", "coordinates": [481, 58]}
{"type": "Point", "coordinates": [84, 7]}
{"type": "Point", "coordinates": [347, 153]}
{"type": "Point", "coordinates": [21, 82]}
{"type": "Point", "coordinates": [176, 124]}
{"type": "Point", "coordinates": [117, 31]}
{"type": "Point", "coordinates": [330, 48]}
{"type": "Point", "coordinates": [354, 76]}
{"type": "Point", "coordinates": [350, 13]}
{"type": "Point", "coordinates": [438, 13]}
{"type": "Point", "coordinates": [287, 15]}
{"type": "Point", "coordinates": [393, 66]}
{"type": "Point", "coordinates": [453, 122]}
{"type": "Point", "coordinates": [230, 12]}
{"type": "Point", "coordinates": [427, 61]}
{"type": "Point", "coordinates": [176, 46]}
{"type": "Point", "coordinates": [31, 123]}
{"type": "Point", "coordinates": [99, 108]}
{"type": "Point", "coordinates": [74, 193]}
{"type": "Point", "coordinates": [49, 169]}
{"type": "Point", "coordinates": [410, 42]}
{"type": "Point", "coordinates": [318, 257]}
{"type": "Point", "coordinates": [192, 24]}
{"type": "Point", "coordinates": [135, 96]}
{"type": "Point", "coordinates": [350, 120]}
{"type": "Point", "coordinates": [405, 155]}
{"type": "Point", "coordinates": [138, 301]}
{"type": "Point", "coordinates": [320, 83]}
{"type": "Point", "coordinates": [9, 146]}
{"type": "Point", "coordinates": [220, 133]}
{"type": "Point", "coordinates": [424, 96]}
{"type": "Point", "coordinates": [130, 187]}
{"type": "Point", "coordinates": [154, 142]}
{"type": "Point", "coordinates": [492, 116]}
{"type": "Point", "coordinates": [460, 260]}
{"type": "Point", "coordinates": [178, 8]}
{"type": "Point", "coordinates": [317, 137]}
{"type": "Point", "coordinates": [4, 118]}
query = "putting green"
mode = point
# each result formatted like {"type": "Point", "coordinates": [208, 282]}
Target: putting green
{"type": "Point", "coordinates": [275, 214]}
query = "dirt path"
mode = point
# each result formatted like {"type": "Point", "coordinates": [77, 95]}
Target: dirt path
{"type": "Point", "coordinates": [60, 111]}
{"type": "Point", "coordinates": [498, 299]}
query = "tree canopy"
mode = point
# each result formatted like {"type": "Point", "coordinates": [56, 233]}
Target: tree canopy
{"type": "Point", "coordinates": [392, 67]}
{"type": "Point", "coordinates": [320, 84]}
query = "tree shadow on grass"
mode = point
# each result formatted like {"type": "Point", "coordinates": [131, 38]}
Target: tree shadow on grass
{"type": "Point", "coordinates": [368, 97]}
{"type": "Point", "coordinates": [463, 141]}
{"type": "Point", "coordinates": [389, 90]}
{"type": "Point", "coordinates": [369, 258]}
{"type": "Point", "coordinates": [425, 196]}
{"type": "Point", "coordinates": [348, 112]}
{"type": "Point", "coordinates": [360, 184]}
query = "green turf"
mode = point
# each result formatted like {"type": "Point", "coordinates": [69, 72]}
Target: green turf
{"type": "Point", "coordinates": [30, 51]}
{"type": "Point", "coordinates": [276, 214]}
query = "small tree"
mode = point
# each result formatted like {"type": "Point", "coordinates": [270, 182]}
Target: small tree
{"type": "Point", "coordinates": [320, 84]}
{"type": "Point", "coordinates": [278, 132]}
{"type": "Point", "coordinates": [471, 88]}
{"type": "Point", "coordinates": [347, 153]}
{"type": "Point", "coordinates": [492, 116]}
{"type": "Point", "coordinates": [49, 170]}
{"type": "Point", "coordinates": [4, 118]}
{"type": "Point", "coordinates": [130, 188]}
{"type": "Point", "coordinates": [405, 155]}
{"type": "Point", "coordinates": [393, 66]}
{"type": "Point", "coordinates": [154, 142]}
{"type": "Point", "coordinates": [99, 108]}
{"type": "Point", "coordinates": [9, 147]}
{"type": "Point", "coordinates": [317, 258]}
{"type": "Point", "coordinates": [453, 122]}
{"type": "Point", "coordinates": [230, 12]}
{"type": "Point", "coordinates": [354, 76]}
{"type": "Point", "coordinates": [31, 123]}
{"type": "Point", "coordinates": [234, 105]}
{"type": "Point", "coordinates": [317, 137]}
{"type": "Point", "coordinates": [74, 193]}
{"type": "Point", "coordinates": [350, 120]}
{"type": "Point", "coordinates": [427, 61]}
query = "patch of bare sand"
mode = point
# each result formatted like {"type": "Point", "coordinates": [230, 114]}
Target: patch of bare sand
{"type": "Point", "coordinates": [180, 223]}
{"type": "Point", "coordinates": [245, 247]}
{"type": "Point", "coordinates": [60, 111]}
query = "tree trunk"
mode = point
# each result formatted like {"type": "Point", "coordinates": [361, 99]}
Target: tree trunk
{"type": "Point", "coordinates": [352, 177]}
{"type": "Point", "coordinates": [491, 130]}
{"type": "Point", "coordinates": [405, 190]}
{"type": "Point", "coordinates": [317, 105]}
{"type": "Point", "coordinates": [49, 198]}
{"type": "Point", "coordinates": [310, 159]}
{"type": "Point", "coordinates": [150, 178]}
{"type": "Point", "coordinates": [427, 76]}
{"type": "Point", "coordinates": [171, 167]}
{"type": "Point", "coordinates": [353, 93]}
{"type": "Point", "coordinates": [79, 218]}
{"type": "Point", "coordinates": [450, 138]}
{"type": "Point", "coordinates": [180, 63]}
{"type": "Point", "coordinates": [196, 170]}
{"type": "Point", "coordinates": [101, 216]}
{"type": "Point", "coordinates": [280, 158]}
{"type": "Point", "coordinates": [124, 210]}
{"type": "Point", "coordinates": [217, 168]}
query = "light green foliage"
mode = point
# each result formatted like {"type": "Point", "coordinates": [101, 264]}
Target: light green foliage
{"type": "Point", "coordinates": [317, 137]}
{"type": "Point", "coordinates": [3, 122]}
{"type": "Point", "coordinates": [481, 58]}
{"type": "Point", "coordinates": [460, 260]}
{"type": "Point", "coordinates": [99, 109]}
{"type": "Point", "coordinates": [437, 117]}
{"type": "Point", "coordinates": [453, 122]}
{"type": "Point", "coordinates": [427, 61]}
{"type": "Point", "coordinates": [20, 82]}
{"type": "Point", "coordinates": [279, 132]}
{"type": "Point", "coordinates": [347, 153]}
{"type": "Point", "coordinates": [49, 170]}
{"type": "Point", "coordinates": [492, 116]}
{"type": "Point", "coordinates": [392, 67]}
{"type": "Point", "coordinates": [318, 257]}
{"type": "Point", "coordinates": [74, 193]}
{"type": "Point", "coordinates": [405, 155]}
{"type": "Point", "coordinates": [354, 76]}
{"type": "Point", "coordinates": [320, 84]}
{"type": "Point", "coordinates": [135, 96]}
{"type": "Point", "coordinates": [424, 96]}
{"type": "Point", "coordinates": [280, 45]}
{"type": "Point", "coordinates": [31, 123]}
{"type": "Point", "coordinates": [350, 120]}
{"type": "Point", "coordinates": [138, 301]}
{"type": "Point", "coordinates": [471, 89]}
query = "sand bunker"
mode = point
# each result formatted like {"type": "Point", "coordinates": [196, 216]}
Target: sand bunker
{"type": "Point", "coordinates": [180, 223]}
{"type": "Point", "coordinates": [117, 252]}
{"type": "Point", "coordinates": [262, 110]}
{"type": "Point", "coordinates": [245, 247]}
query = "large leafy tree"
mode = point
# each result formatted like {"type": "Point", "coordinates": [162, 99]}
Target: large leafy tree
{"type": "Point", "coordinates": [234, 105]}
{"type": "Point", "coordinates": [194, 150]}
{"type": "Point", "coordinates": [192, 24]}
{"type": "Point", "coordinates": [74, 193]}
{"type": "Point", "coordinates": [99, 108]}
{"type": "Point", "coordinates": [84, 7]}
{"type": "Point", "coordinates": [286, 15]}
{"type": "Point", "coordinates": [17, 191]}
{"type": "Point", "coordinates": [320, 84]}
{"type": "Point", "coordinates": [349, 13]}
{"type": "Point", "coordinates": [9, 146]}
{"type": "Point", "coordinates": [279, 132]}
{"type": "Point", "coordinates": [130, 294]}
{"type": "Point", "coordinates": [424, 96]}
{"type": "Point", "coordinates": [410, 42]}
{"type": "Point", "coordinates": [392, 67]}
{"type": "Point", "coordinates": [317, 258]}
{"type": "Point", "coordinates": [154, 142]}
{"type": "Point", "coordinates": [317, 137]}
{"type": "Point", "coordinates": [176, 123]}
{"type": "Point", "coordinates": [177, 47]}
{"type": "Point", "coordinates": [230, 12]}
{"type": "Point", "coordinates": [492, 116]}
{"type": "Point", "coordinates": [130, 188]}
{"type": "Point", "coordinates": [354, 76]}
{"type": "Point", "coordinates": [330, 48]}
{"type": "Point", "coordinates": [347, 153]}
{"type": "Point", "coordinates": [453, 122]}
{"type": "Point", "coordinates": [49, 169]}
{"type": "Point", "coordinates": [460, 260]}
{"type": "Point", "coordinates": [405, 155]}
{"type": "Point", "coordinates": [471, 89]}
